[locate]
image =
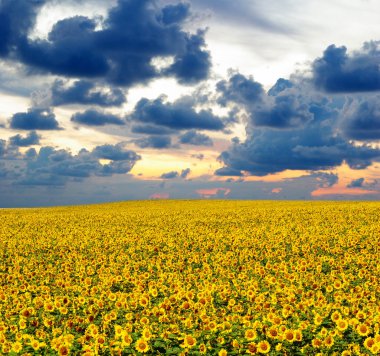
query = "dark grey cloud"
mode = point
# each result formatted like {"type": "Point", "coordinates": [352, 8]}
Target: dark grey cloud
{"type": "Point", "coordinates": [2, 147]}
{"type": "Point", "coordinates": [57, 167]}
{"type": "Point", "coordinates": [325, 180]}
{"type": "Point", "coordinates": [227, 171]}
{"type": "Point", "coordinates": [32, 138]}
{"type": "Point", "coordinates": [174, 174]}
{"type": "Point", "coordinates": [339, 72]}
{"type": "Point", "coordinates": [86, 93]}
{"type": "Point", "coordinates": [239, 89]}
{"type": "Point", "coordinates": [195, 138]}
{"type": "Point", "coordinates": [185, 172]}
{"type": "Point", "coordinates": [151, 130]}
{"type": "Point", "coordinates": [92, 117]}
{"type": "Point", "coordinates": [313, 144]}
{"type": "Point", "coordinates": [115, 153]}
{"type": "Point", "coordinates": [34, 119]}
{"type": "Point", "coordinates": [356, 183]}
{"type": "Point", "coordinates": [281, 85]}
{"type": "Point", "coordinates": [361, 119]}
{"type": "Point", "coordinates": [169, 175]}
{"type": "Point", "coordinates": [119, 51]}
{"type": "Point", "coordinates": [159, 142]}
{"type": "Point", "coordinates": [281, 107]}
{"type": "Point", "coordinates": [16, 20]}
{"type": "Point", "coordinates": [179, 115]}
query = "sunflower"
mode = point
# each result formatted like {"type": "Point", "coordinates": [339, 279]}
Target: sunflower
{"type": "Point", "coordinates": [222, 352]}
{"type": "Point", "coordinates": [272, 332]}
{"type": "Point", "coordinates": [63, 350]}
{"type": "Point", "coordinates": [189, 341]}
{"type": "Point", "coordinates": [289, 335]}
{"type": "Point", "coordinates": [329, 341]}
{"type": "Point", "coordinates": [316, 343]}
{"type": "Point", "coordinates": [252, 348]}
{"type": "Point", "coordinates": [146, 334]}
{"type": "Point", "coordinates": [342, 325]}
{"type": "Point", "coordinates": [16, 347]}
{"type": "Point", "coordinates": [202, 348]}
{"type": "Point", "coordinates": [263, 347]}
{"type": "Point", "coordinates": [363, 329]}
{"type": "Point", "coordinates": [142, 345]}
{"type": "Point", "coordinates": [335, 316]}
{"type": "Point", "coordinates": [318, 319]}
{"type": "Point", "coordinates": [369, 342]}
{"type": "Point", "coordinates": [250, 334]}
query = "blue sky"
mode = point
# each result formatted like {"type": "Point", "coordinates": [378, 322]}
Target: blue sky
{"type": "Point", "coordinates": [142, 99]}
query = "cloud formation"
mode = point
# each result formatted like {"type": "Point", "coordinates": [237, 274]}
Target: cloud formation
{"type": "Point", "coordinates": [174, 174]}
{"type": "Point", "coordinates": [340, 72]}
{"type": "Point", "coordinates": [159, 142]}
{"type": "Point", "coordinates": [356, 183]}
{"type": "Point", "coordinates": [119, 50]}
{"type": "Point", "coordinates": [92, 117]}
{"type": "Point", "coordinates": [34, 119]}
{"type": "Point", "coordinates": [195, 138]}
{"type": "Point", "coordinates": [179, 115]}
{"type": "Point", "coordinates": [281, 107]}
{"type": "Point", "coordinates": [32, 138]}
{"type": "Point", "coordinates": [85, 92]}
{"type": "Point", "coordinates": [313, 143]}
{"type": "Point", "coordinates": [56, 167]}
{"type": "Point", "coordinates": [361, 119]}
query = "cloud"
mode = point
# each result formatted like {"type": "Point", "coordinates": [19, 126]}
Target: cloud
{"type": "Point", "coordinates": [174, 174]}
{"type": "Point", "coordinates": [32, 138]}
{"type": "Point", "coordinates": [178, 115]}
{"type": "Point", "coordinates": [281, 107]}
{"type": "Point", "coordinates": [281, 85]}
{"type": "Point", "coordinates": [86, 93]}
{"type": "Point", "coordinates": [119, 49]}
{"type": "Point", "coordinates": [152, 130]}
{"type": "Point", "coordinates": [34, 119]}
{"type": "Point", "coordinates": [2, 147]}
{"type": "Point", "coordinates": [195, 138]}
{"type": "Point", "coordinates": [356, 183]}
{"type": "Point", "coordinates": [169, 175]}
{"type": "Point", "coordinates": [159, 196]}
{"type": "Point", "coordinates": [239, 89]}
{"type": "Point", "coordinates": [199, 156]}
{"type": "Point", "coordinates": [361, 119]}
{"type": "Point", "coordinates": [185, 173]}
{"type": "Point", "coordinates": [57, 167]}
{"type": "Point", "coordinates": [16, 19]}
{"type": "Point", "coordinates": [159, 142]}
{"type": "Point", "coordinates": [316, 144]}
{"type": "Point", "coordinates": [248, 14]}
{"type": "Point", "coordinates": [324, 180]}
{"type": "Point", "coordinates": [92, 117]}
{"type": "Point", "coordinates": [339, 72]}
{"type": "Point", "coordinates": [214, 192]}
{"type": "Point", "coordinates": [228, 172]}
{"type": "Point", "coordinates": [115, 153]}
{"type": "Point", "coordinates": [276, 190]}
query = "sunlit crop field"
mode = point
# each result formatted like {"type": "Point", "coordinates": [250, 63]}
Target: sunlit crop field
{"type": "Point", "coordinates": [191, 278]}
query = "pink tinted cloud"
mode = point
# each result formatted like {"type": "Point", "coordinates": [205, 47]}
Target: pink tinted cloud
{"type": "Point", "coordinates": [159, 196]}
{"type": "Point", "coordinates": [345, 191]}
{"type": "Point", "coordinates": [276, 190]}
{"type": "Point", "coordinates": [208, 193]}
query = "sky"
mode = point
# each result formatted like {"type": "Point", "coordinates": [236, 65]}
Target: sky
{"type": "Point", "coordinates": [204, 99]}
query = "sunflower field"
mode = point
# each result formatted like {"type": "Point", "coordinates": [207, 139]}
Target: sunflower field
{"type": "Point", "coordinates": [191, 278]}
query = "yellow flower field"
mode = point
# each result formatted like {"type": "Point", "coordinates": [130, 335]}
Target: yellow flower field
{"type": "Point", "coordinates": [191, 278]}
